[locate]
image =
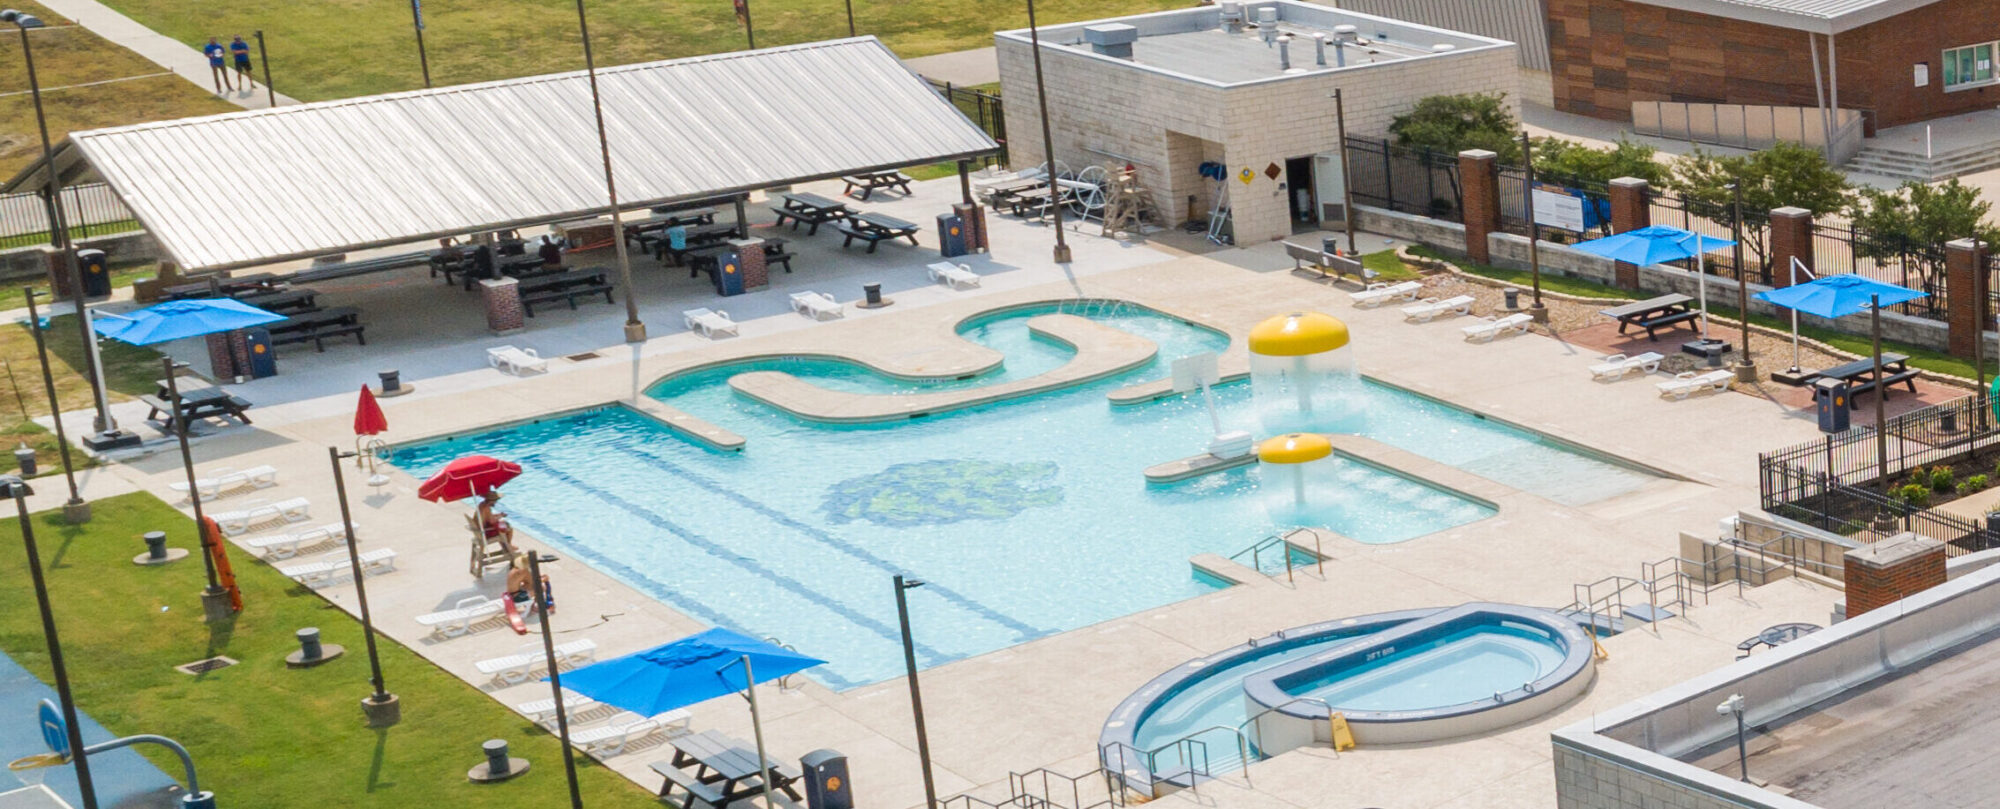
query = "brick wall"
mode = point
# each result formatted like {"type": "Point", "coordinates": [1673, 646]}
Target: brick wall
{"type": "Point", "coordinates": [1889, 570]}
{"type": "Point", "coordinates": [1605, 54]}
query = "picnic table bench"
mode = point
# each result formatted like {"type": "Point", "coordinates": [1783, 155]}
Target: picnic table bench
{"type": "Point", "coordinates": [317, 327]}
{"type": "Point", "coordinates": [874, 228]}
{"type": "Point", "coordinates": [290, 301]}
{"type": "Point", "coordinates": [999, 193]}
{"type": "Point", "coordinates": [696, 239]}
{"type": "Point", "coordinates": [811, 209]}
{"type": "Point", "coordinates": [643, 231]}
{"type": "Point", "coordinates": [1653, 313]}
{"type": "Point", "coordinates": [725, 770]}
{"type": "Point", "coordinates": [1895, 370]}
{"type": "Point", "coordinates": [219, 287]}
{"type": "Point", "coordinates": [566, 287]}
{"type": "Point", "coordinates": [867, 182]}
{"type": "Point", "coordinates": [197, 404]}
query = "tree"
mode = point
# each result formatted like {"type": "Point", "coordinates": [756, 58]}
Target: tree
{"type": "Point", "coordinates": [1571, 163]}
{"type": "Point", "coordinates": [1910, 225]}
{"type": "Point", "coordinates": [1451, 124]}
{"type": "Point", "coordinates": [1786, 174]}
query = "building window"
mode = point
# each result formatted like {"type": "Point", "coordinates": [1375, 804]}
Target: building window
{"type": "Point", "coordinates": [1972, 64]}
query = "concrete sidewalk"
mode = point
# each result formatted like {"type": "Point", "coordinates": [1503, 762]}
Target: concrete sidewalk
{"type": "Point", "coordinates": [172, 54]}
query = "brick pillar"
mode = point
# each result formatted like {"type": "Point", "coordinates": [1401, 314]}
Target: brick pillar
{"type": "Point", "coordinates": [750, 260]}
{"type": "Point", "coordinates": [1629, 212]}
{"type": "Point", "coordinates": [58, 272]}
{"type": "Point", "coordinates": [1883, 573]}
{"type": "Point", "coordinates": [1479, 176]}
{"type": "Point", "coordinates": [504, 314]}
{"type": "Point", "coordinates": [222, 358]}
{"type": "Point", "coordinates": [976, 238]}
{"type": "Point", "coordinates": [1791, 237]}
{"type": "Point", "coordinates": [1965, 294]}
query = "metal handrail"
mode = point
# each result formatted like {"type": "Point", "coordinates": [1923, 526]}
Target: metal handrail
{"type": "Point", "coordinates": [1260, 714]}
{"type": "Point", "coordinates": [1283, 540]}
{"type": "Point", "coordinates": [785, 682]}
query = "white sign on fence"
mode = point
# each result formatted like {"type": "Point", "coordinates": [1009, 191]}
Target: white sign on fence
{"type": "Point", "coordinates": [1554, 209]}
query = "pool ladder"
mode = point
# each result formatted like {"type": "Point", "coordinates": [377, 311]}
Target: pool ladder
{"type": "Point", "coordinates": [785, 682]}
{"type": "Point", "coordinates": [1286, 547]}
{"type": "Point", "coordinates": [1187, 746]}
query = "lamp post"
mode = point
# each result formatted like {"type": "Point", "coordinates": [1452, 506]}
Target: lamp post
{"type": "Point", "coordinates": [214, 599]}
{"type": "Point", "coordinates": [1346, 175]}
{"type": "Point", "coordinates": [12, 486]}
{"type": "Point", "coordinates": [1536, 310]}
{"type": "Point", "coordinates": [1734, 706]}
{"type": "Point", "coordinates": [382, 708]}
{"type": "Point", "coordinates": [59, 231]}
{"type": "Point", "coordinates": [850, 17]}
{"type": "Point", "coordinates": [916, 696]}
{"type": "Point", "coordinates": [417, 21]}
{"type": "Point", "coordinates": [1746, 371]}
{"type": "Point", "coordinates": [635, 331]}
{"type": "Point", "coordinates": [1048, 139]}
{"type": "Point", "coordinates": [555, 675]}
{"type": "Point", "coordinates": [270, 93]}
{"type": "Point", "coordinates": [75, 510]}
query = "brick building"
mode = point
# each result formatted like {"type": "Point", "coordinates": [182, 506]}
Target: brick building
{"type": "Point", "coordinates": [1244, 85]}
{"type": "Point", "coordinates": [1896, 61]}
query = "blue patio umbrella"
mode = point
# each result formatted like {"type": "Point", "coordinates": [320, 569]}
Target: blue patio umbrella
{"type": "Point", "coordinates": [693, 669]}
{"type": "Point", "coordinates": [1660, 244]}
{"type": "Point", "coordinates": [1835, 296]}
{"type": "Point", "coordinates": [175, 320]}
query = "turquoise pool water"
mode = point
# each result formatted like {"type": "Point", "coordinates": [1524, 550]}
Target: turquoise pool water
{"type": "Point", "coordinates": [1024, 518]}
{"type": "Point", "coordinates": [1469, 665]}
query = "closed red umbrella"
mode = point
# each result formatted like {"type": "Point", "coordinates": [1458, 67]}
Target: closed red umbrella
{"type": "Point", "coordinates": [469, 476]}
{"type": "Point", "coordinates": [368, 418]}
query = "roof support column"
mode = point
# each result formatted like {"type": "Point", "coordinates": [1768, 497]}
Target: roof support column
{"type": "Point", "coordinates": [1819, 96]}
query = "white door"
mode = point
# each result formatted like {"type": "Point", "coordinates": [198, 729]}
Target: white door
{"type": "Point", "coordinates": [1330, 186]}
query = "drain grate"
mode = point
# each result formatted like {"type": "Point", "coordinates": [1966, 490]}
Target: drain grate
{"type": "Point", "coordinates": [204, 666]}
{"type": "Point", "coordinates": [587, 355]}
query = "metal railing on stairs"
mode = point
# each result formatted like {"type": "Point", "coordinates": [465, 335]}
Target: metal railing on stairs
{"type": "Point", "coordinates": [1287, 550]}
{"type": "Point", "coordinates": [1043, 788]}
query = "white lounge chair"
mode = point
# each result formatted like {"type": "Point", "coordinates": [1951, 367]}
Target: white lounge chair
{"type": "Point", "coordinates": [516, 360]}
{"type": "Point", "coordinates": [1429, 308]}
{"type": "Point", "coordinates": [1689, 382]}
{"type": "Point", "coordinates": [1616, 366]}
{"type": "Point", "coordinates": [296, 509]}
{"type": "Point", "coordinates": [956, 276]}
{"type": "Point", "coordinates": [331, 566]}
{"type": "Point", "coordinates": [459, 619]}
{"type": "Point", "coordinates": [1517, 323]}
{"type": "Point", "coordinates": [226, 479]}
{"type": "Point", "coordinates": [817, 305]}
{"type": "Point", "coordinates": [287, 545]}
{"type": "Point", "coordinates": [710, 322]}
{"type": "Point", "coordinates": [610, 738]}
{"type": "Point", "coordinates": [1382, 292]}
{"type": "Point", "coordinates": [543, 711]}
{"type": "Point", "coordinates": [516, 667]}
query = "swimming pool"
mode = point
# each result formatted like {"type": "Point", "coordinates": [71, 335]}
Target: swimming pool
{"type": "Point", "coordinates": [1024, 518]}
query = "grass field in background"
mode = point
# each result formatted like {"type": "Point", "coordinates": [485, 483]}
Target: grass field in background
{"type": "Point", "coordinates": [348, 48]}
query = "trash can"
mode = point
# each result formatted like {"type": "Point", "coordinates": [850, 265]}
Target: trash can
{"type": "Point", "coordinates": [728, 273]}
{"type": "Point", "coordinates": [1830, 400]}
{"type": "Point", "coordinates": [263, 359]}
{"type": "Point", "coordinates": [96, 273]}
{"type": "Point", "coordinates": [951, 235]}
{"type": "Point", "coordinates": [826, 780]}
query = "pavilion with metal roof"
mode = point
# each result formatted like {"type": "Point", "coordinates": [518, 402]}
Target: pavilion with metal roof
{"type": "Point", "coordinates": [250, 188]}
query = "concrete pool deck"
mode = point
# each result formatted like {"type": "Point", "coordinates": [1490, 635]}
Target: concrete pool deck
{"type": "Point", "coordinates": [1042, 703]}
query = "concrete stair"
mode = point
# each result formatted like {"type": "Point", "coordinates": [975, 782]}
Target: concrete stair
{"type": "Point", "coordinates": [1903, 165]}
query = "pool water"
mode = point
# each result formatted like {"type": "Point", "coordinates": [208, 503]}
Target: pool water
{"type": "Point", "coordinates": [1023, 518]}
{"type": "Point", "coordinates": [1469, 665]}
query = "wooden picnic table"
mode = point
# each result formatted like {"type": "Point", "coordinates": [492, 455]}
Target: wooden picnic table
{"type": "Point", "coordinates": [565, 287]}
{"type": "Point", "coordinates": [725, 770]}
{"type": "Point", "coordinates": [219, 287]}
{"type": "Point", "coordinates": [1653, 313]}
{"type": "Point", "coordinates": [1000, 192]}
{"type": "Point", "coordinates": [811, 209]}
{"type": "Point", "coordinates": [868, 181]}
{"type": "Point", "coordinates": [1895, 369]}
{"type": "Point", "coordinates": [317, 327]}
{"type": "Point", "coordinates": [697, 239]}
{"type": "Point", "coordinates": [293, 301]}
{"type": "Point", "coordinates": [874, 228]}
{"type": "Point", "coordinates": [197, 404]}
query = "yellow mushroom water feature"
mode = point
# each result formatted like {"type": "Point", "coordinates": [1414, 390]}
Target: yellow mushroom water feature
{"type": "Point", "coordinates": [1302, 376]}
{"type": "Point", "coordinates": [1291, 466]}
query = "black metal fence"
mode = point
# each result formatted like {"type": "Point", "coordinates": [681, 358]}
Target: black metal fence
{"type": "Point", "coordinates": [1407, 180]}
{"type": "Point", "coordinates": [90, 210]}
{"type": "Point", "coordinates": [984, 109]}
{"type": "Point", "coordinates": [1840, 249]}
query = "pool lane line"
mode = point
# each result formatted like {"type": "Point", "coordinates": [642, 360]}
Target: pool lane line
{"type": "Point", "coordinates": [1026, 631]}
{"type": "Point", "coordinates": [889, 633]}
{"type": "Point", "coordinates": [693, 609]}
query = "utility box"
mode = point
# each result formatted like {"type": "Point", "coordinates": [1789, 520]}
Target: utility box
{"type": "Point", "coordinates": [951, 235]}
{"type": "Point", "coordinates": [96, 272]}
{"type": "Point", "coordinates": [1830, 401]}
{"type": "Point", "coordinates": [826, 780]}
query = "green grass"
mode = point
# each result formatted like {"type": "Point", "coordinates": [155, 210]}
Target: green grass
{"type": "Point", "coordinates": [344, 48]}
{"type": "Point", "coordinates": [262, 735]}
{"type": "Point", "coordinates": [1550, 281]}
{"type": "Point", "coordinates": [76, 232]}
{"type": "Point", "coordinates": [1388, 267]}
{"type": "Point", "coordinates": [129, 370]}
{"type": "Point", "coordinates": [47, 453]}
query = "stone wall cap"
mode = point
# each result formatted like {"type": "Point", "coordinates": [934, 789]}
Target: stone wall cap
{"type": "Point", "coordinates": [1962, 244]}
{"type": "Point", "coordinates": [1479, 154]}
{"type": "Point", "coordinates": [1791, 210]}
{"type": "Point", "coordinates": [1629, 182]}
{"type": "Point", "coordinates": [1893, 551]}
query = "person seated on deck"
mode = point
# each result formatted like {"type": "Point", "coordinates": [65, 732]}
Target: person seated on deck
{"type": "Point", "coordinates": [494, 522]}
{"type": "Point", "coordinates": [519, 583]}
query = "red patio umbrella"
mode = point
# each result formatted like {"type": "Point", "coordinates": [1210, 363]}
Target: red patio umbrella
{"type": "Point", "coordinates": [368, 418]}
{"type": "Point", "coordinates": [469, 476]}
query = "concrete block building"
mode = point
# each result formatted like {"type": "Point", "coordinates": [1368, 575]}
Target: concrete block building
{"type": "Point", "coordinates": [1248, 86]}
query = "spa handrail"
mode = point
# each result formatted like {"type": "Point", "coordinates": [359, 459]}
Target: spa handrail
{"type": "Point", "coordinates": [1260, 714]}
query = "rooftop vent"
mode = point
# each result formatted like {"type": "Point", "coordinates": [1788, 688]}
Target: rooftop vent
{"type": "Point", "coordinates": [1285, 53]}
{"type": "Point", "coordinates": [1267, 23]}
{"type": "Point", "coordinates": [1343, 36]}
{"type": "Point", "coordinates": [1111, 39]}
{"type": "Point", "coordinates": [1232, 17]}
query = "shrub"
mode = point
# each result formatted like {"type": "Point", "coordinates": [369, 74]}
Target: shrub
{"type": "Point", "coordinates": [1972, 483]}
{"type": "Point", "coordinates": [1914, 494]}
{"type": "Point", "coordinates": [1942, 478]}
{"type": "Point", "coordinates": [1920, 476]}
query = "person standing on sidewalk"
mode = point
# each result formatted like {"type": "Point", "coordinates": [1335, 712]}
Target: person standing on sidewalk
{"type": "Point", "coordinates": [239, 52]}
{"type": "Point", "coordinates": [216, 70]}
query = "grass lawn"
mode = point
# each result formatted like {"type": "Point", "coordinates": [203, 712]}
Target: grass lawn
{"type": "Point", "coordinates": [261, 735]}
{"type": "Point", "coordinates": [66, 55]}
{"type": "Point", "coordinates": [1388, 267]}
{"type": "Point", "coordinates": [129, 371]}
{"type": "Point", "coordinates": [357, 47]}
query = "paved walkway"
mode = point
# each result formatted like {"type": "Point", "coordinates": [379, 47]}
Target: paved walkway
{"type": "Point", "coordinates": [172, 54]}
{"type": "Point", "coordinates": [977, 66]}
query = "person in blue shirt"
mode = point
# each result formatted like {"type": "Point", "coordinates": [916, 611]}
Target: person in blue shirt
{"type": "Point", "coordinates": [216, 70]}
{"type": "Point", "coordinates": [239, 52]}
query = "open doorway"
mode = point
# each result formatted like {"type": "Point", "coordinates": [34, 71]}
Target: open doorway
{"type": "Point", "coordinates": [1301, 194]}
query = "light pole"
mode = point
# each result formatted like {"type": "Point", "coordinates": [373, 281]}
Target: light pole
{"type": "Point", "coordinates": [1048, 139]}
{"type": "Point", "coordinates": [916, 696]}
{"type": "Point", "coordinates": [270, 93]}
{"type": "Point", "coordinates": [382, 708]}
{"type": "Point", "coordinates": [75, 511]}
{"type": "Point", "coordinates": [1346, 176]}
{"type": "Point", "coordinates": [1734, 706]}
{"type": "Point", "coordinates": [1746, 371]}
{"type": "Point", "coordinates": [214, 600]}
{"type": "Point", "coordinates": [1535, 310]}
{"type": "Point", "coordinates": [850, 17]}
{"type": "Point", "coordinates": [12, 486]}
{"type": "Point", "coordinates": [59, 229]}
{"type": "Point", "coordinates": [555, 676]}
{"type": "Point", "coordinates": [635, 331]}
{"type": "Point", "coordinates": [417, 21]}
